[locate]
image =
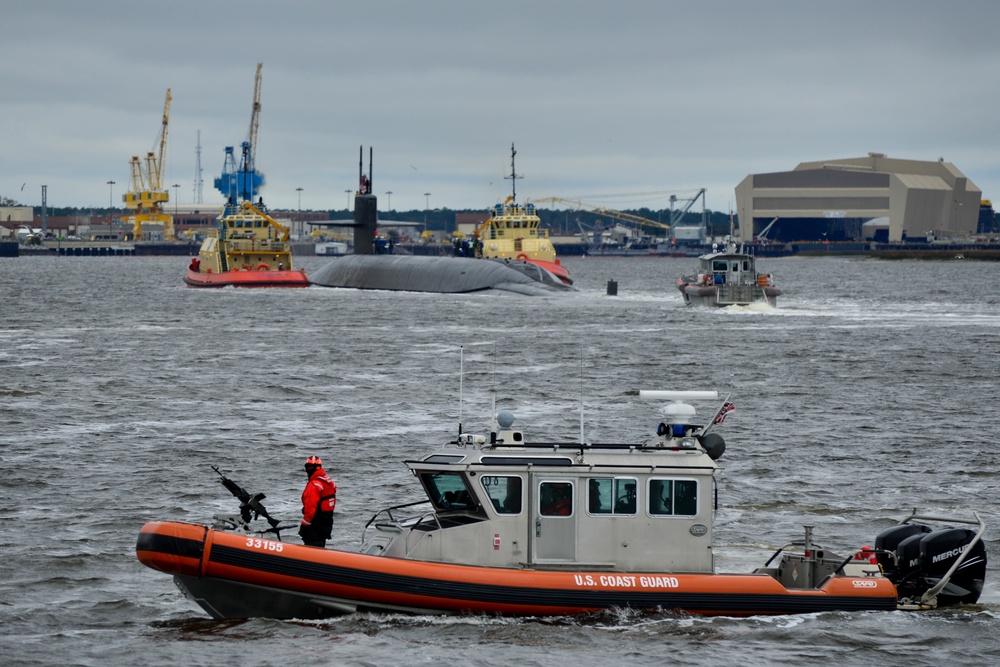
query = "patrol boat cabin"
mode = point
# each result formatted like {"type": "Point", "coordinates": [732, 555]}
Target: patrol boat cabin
{"type": "Point", "coordinates": [504, 502]}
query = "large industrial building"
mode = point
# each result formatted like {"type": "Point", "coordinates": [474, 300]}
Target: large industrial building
{"type": "Point", "coordinates": [834, 199]}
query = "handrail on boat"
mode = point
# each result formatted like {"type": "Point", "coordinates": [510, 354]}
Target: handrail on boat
{"type": "Point", "coordinates": [801, 543]}
{"type": "Point", "coordinates": [387, 511]}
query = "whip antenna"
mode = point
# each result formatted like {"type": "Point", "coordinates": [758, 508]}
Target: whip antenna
{"type": "Point", "coordinates": [494, 390]}
{"type": "Point", "coordinates": [461, 379]}
{"type": "Point", "coordinates": [582, 439]}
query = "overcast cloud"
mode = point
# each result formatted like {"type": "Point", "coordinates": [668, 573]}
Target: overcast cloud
{"type": "Point", "coordinates": [601, 98]}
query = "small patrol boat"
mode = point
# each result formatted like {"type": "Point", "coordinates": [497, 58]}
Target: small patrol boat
{"type": "Point", "coordinates": [728, 277]}
{"type": "Point", "coordinates": [540, 528]}
{"type": "Point", "coordinates": [512, 233]}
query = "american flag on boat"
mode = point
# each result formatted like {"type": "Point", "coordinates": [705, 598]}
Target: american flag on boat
{"type": "Point", "coordinates": [726, 408]}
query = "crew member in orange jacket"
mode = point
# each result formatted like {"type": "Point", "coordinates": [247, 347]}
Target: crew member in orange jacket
{"type": "Point", "coordinates": [319, 498]}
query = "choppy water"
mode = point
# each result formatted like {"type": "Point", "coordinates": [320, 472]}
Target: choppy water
{"type": "Point", "coordinates": [871, 390]}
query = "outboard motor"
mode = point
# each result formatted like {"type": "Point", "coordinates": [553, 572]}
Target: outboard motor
{"type": "Point", "coordinates": [924, 556]}
{"type": "Point", "coordinates": [888, 542]}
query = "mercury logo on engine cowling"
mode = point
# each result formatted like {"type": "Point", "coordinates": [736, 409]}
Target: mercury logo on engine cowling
{"type": "Point", "coordinates": [950, 554]}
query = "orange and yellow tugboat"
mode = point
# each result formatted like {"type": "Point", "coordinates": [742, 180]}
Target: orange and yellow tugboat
{"type": "Point", "coordinates": [248, 248]}
{"type": "Point", "coordinates": [512, 233]}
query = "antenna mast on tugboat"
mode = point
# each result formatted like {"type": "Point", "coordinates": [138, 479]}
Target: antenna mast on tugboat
{"type": "Point", "coordinates": [513, 175]}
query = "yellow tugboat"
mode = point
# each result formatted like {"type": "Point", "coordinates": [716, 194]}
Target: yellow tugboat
{"type": "Point", "coordinates": [512, 233]}
{"type": "Point", "coordinates": [248, 248]}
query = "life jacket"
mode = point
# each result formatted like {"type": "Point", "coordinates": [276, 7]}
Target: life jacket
{"type": "Point", "coordinates": [319, 498]}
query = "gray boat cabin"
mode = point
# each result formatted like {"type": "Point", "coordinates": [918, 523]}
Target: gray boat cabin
{"type": "Point", "coordinates": [500, 500]}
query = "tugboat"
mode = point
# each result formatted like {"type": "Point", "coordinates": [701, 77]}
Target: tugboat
{"type": "Point", "coordinates": [248, 248]}
{"type": "Point", "coordinates": [540, 528]}
{"type": "Point", "coordinates": [512, 233]}
{"type": "Point", "coordinates": [728, 277]}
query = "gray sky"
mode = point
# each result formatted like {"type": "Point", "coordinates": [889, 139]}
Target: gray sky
{"type": "Point", "coordinates": [601, 98]}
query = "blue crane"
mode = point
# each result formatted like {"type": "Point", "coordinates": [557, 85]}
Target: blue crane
{"type": "Point", "coordinates": [243, 183]}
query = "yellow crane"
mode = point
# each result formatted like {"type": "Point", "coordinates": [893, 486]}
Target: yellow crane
{"type": "Point", "coordinates": [610, 212]}
{"type": "Point", "coordinates": [146, 193]}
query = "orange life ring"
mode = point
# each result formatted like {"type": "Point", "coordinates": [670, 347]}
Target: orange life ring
{"type": "Point", "coordinates": [522, 257]}
{"type": "Point", "coordinates": [263, 267]}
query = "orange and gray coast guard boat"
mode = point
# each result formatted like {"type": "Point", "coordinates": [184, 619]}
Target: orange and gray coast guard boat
{"type": "Point", "coordinates": [248, 248]}
{"type": "Point", "coordinates": [556, 528]}
{"type": "Point", "coordinates": [513, 234]}
{"type": "Point", "coordinates": [728, 277]}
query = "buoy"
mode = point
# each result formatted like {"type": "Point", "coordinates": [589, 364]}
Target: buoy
{"type": "Point", "coordinates": [612, 288]}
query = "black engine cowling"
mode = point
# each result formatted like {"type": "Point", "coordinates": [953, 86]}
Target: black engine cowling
{"type": "Point", "coordinates": [924, 556]}
{"type": "Point", "coordinates": [890, 539]}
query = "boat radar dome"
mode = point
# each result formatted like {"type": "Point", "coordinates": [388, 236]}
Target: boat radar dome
{"type": "Point", "coordinates": [677, 411]}
{"type": "Point", "coordinates": [507, 435]}
{"type": "Point", "coordinates": [505, 419]}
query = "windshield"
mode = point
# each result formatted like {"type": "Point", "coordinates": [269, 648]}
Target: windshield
{"type": "Point", "coordinates": [447, 491]}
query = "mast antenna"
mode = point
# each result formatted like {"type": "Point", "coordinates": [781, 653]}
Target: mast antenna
{"type": "Point", "coordinates": [461, 387]}
{"type": "Point", "coordinates": [494, 390]}
{"type": "Point", "coordinates": [198, 181]}
{"type": "Point", "coordinates": [513, 175]}
{"type": "Point", "coordinates": [583, 440]}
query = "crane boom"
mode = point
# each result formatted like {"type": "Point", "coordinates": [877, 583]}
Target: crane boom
{"type": "Point", "coordinates": [255, 115]}
{"type": "Point", "coordinates": [602, 210]}
{"type": "Point", "coordinates": [157, 181]}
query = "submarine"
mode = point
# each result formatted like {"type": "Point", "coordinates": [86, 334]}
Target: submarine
{"type": "Point", "coordinates": [373, 267]}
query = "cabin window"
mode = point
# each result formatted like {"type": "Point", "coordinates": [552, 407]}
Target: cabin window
{"type": "Point", "coordinates": [611, 495]}
{"type": "Point", "coordinates": [555, 498]}
{"type": "Point", "coordinates": [746, 265]}
{"type": "Point", "coordinates": [447, 491]}
{"type": "Point", "coordinates": [736, 267]}
{"type": "Point", "coordinates": [504, 492]}
{"type": "Point", "coordinates": [673, 497]}
{"type": "Point", "coordinates": [720, 265]}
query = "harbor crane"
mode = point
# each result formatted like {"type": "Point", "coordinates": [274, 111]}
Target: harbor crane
{"type": "Point", "coordinates": [146, 195]}
{"type": "Point", "coordinates": [636, 220]}
{"type": "Point", "coordinates": [244, 182]}
{"type": "Point", "coordinates": [677, 215]}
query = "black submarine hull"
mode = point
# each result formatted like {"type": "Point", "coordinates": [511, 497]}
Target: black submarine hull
{"type": "Point", "coordinates": [447, 275]}
{"type": "Point", "coordinates": [368, 269]}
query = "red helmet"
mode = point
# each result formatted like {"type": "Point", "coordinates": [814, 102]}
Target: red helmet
{"type": "Point", "coordinates": [313, 461]}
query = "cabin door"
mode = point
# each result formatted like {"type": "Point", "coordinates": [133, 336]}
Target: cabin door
{"type": "Point", "coordinates": [554, 511]}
